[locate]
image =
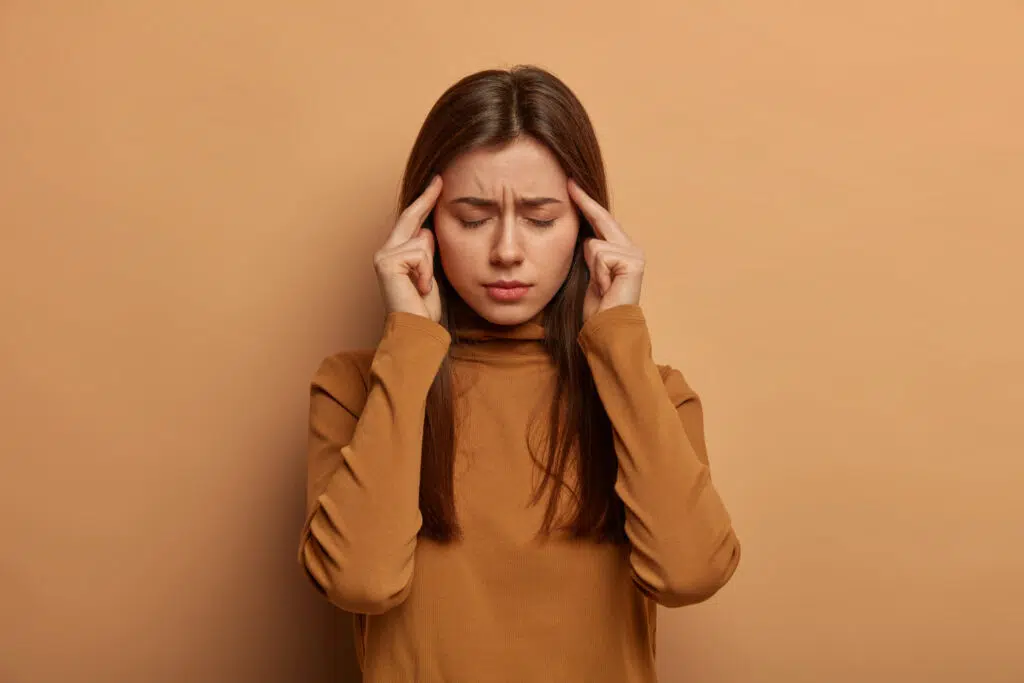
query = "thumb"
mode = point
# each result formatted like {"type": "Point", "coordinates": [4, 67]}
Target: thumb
{"type": "Point", "coordinates": [428, 236]}
{"type": "Point", "coordinates": [426, 276]}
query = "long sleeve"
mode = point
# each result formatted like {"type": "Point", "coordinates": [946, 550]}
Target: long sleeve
{"type": "Point", "coordinates": [365, 443]}
{"type": "Point", "coordinates": [683, 547]}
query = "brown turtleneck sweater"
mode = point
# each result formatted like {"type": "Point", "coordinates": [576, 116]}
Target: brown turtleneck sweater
{"type": "Point", "coordinates": [501, 604]}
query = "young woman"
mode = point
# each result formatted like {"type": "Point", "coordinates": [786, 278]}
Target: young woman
{"type": "Point", "coordinates": [507, 486]}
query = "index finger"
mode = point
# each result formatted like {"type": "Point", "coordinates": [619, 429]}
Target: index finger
{"type": "Point", "coordinates": [410, 220]}
{"type": "Point", "coordinates": [604, 224]}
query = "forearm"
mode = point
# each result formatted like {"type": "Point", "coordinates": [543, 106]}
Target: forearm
{"type": "Point", "coordinates": [364, 517]}
{"type": "Point", "coordinates": [683, 544]}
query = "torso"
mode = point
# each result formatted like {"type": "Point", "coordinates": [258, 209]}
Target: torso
{"type": "Point", "coordinates": [504, 604]}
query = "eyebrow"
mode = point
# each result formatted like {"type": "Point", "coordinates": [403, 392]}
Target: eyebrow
{"type": "Point", "coordinates": [529, 202]}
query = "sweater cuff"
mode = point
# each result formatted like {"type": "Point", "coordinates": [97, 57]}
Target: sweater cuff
{"type": "Point", "coordinates": [417, 323]}
{"type": "Point", "coordinates": [601, 324]}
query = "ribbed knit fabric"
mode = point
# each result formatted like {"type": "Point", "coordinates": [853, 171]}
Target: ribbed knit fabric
{"type": "Point", "coordinates": [503, 604]}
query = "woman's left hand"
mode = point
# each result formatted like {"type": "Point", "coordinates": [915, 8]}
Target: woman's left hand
{"type": "Point", "coordinates": [616, 264]}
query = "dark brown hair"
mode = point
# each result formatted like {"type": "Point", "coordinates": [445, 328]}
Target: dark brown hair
{"type": "Point", "coordinates": [492, 108]}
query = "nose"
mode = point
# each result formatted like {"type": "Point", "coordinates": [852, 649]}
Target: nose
{"type": "Point", "coordinates": [507, 250]}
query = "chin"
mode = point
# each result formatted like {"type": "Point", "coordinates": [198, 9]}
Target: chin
{"type": "Point", "coordinates": [504, 314]}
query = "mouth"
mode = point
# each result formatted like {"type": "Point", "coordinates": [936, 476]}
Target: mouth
{"type": "Point", "coordinates": [507, 290]}
{"type": "Point", "coordinates": [507, 284]}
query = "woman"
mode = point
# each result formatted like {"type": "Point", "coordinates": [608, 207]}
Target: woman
{"type": "Point", "coordinates": [508, 484]}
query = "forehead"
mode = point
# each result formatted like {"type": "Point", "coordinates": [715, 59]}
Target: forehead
{"type": "Point", "coordinates": [524, 166]}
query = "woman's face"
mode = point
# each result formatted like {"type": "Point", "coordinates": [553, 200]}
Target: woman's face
{"type": "Point", "coordinates": [504, 216]}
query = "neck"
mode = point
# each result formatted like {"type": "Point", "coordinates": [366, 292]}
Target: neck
{"type": "Point", "coordinates": [478, 338]}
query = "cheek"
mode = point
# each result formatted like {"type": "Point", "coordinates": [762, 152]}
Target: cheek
{"type": "Point", "coordinates": [558, 252]}
{"type": "Point", "coordinates": [451, 253]}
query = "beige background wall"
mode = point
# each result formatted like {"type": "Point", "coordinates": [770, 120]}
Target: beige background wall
{"type": "Point", "coordinates": [831, 195]}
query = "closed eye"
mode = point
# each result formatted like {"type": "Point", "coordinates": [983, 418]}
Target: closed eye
{"type": "Point", "coordinates": [535, 221]}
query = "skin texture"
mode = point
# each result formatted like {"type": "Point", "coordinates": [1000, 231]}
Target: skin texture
{"type": "Point", "coordinates": [511, 237]}
{"type": "Point", "coordinates": [505, 213]}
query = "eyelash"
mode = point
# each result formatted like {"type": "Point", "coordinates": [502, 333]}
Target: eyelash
{"type": "Point", "coordinates": [538, 223]}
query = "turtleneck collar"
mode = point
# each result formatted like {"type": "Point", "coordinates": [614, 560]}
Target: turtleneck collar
{"type": "Point", "coordinates": [480, 339]}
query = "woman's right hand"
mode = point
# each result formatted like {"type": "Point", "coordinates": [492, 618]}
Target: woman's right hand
{"type": "Point", "coordinates": [405, 264]}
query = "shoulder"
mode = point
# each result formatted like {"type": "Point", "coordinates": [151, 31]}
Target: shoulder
{"type": "Point", "coordinates": [344, 376]}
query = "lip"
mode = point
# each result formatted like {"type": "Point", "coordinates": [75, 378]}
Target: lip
{"type": "Point", "coordinates": [507, 284]}
{"type": "Point", "coordinates": [507, 291]}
